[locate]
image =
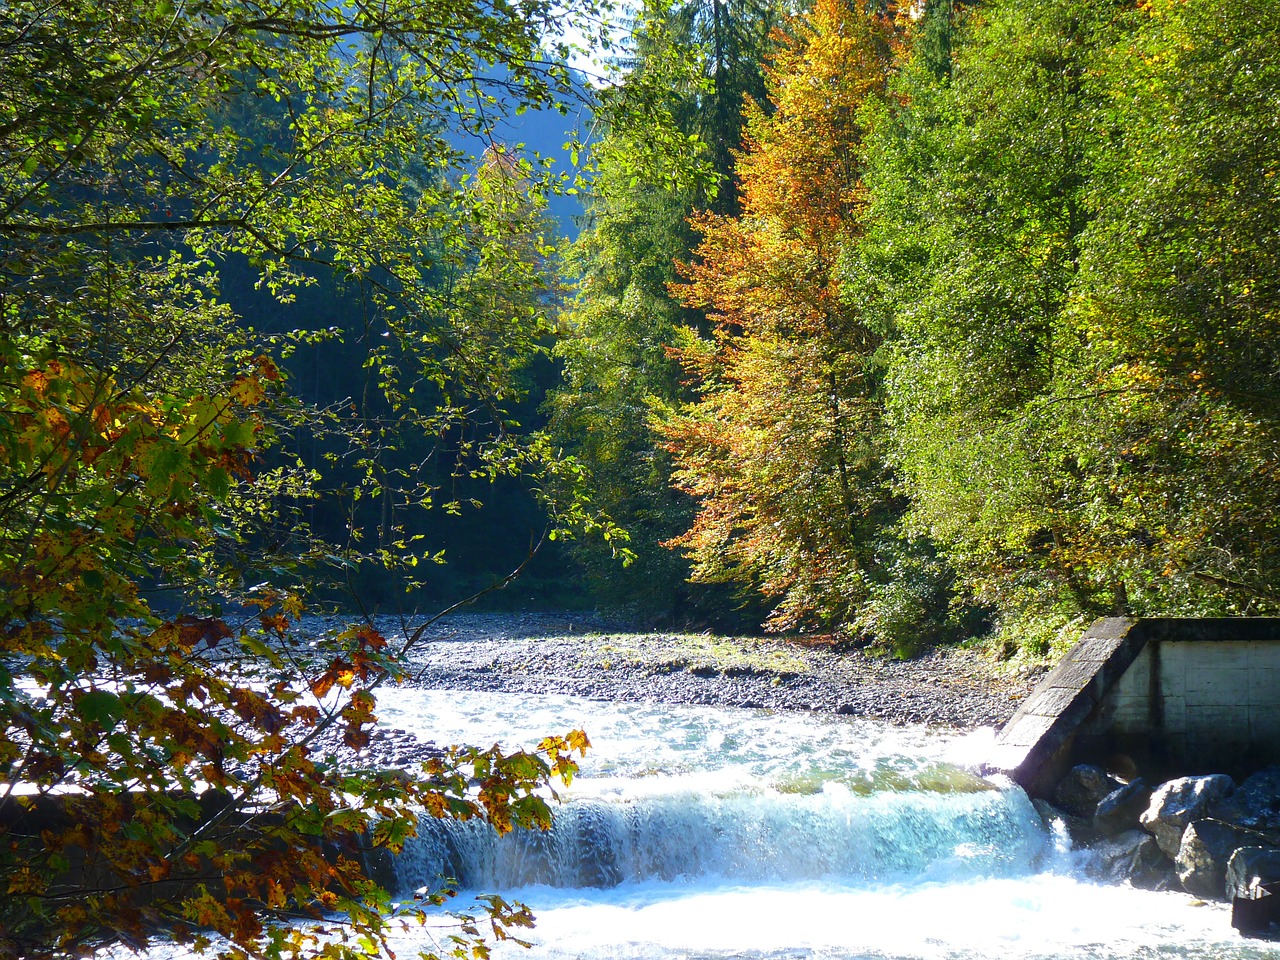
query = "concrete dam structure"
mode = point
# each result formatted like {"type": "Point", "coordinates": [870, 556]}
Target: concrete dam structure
{"type": "Point", "coordinates": [1165, 696]}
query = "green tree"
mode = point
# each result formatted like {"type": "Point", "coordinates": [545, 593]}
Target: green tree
{"type": "Point", "coordinates": [617, 330]}
{"type": "Point", "coordinates": [735, 38]}
{"type": "Point", "coordinates": [979, 200]}
{"type": "Point", "coordinates": [1178, 306]}
{"type": "Point", "coordinates": [614, 354]}
{"type": "Point", "coordinates": [159, 757]}
{"type": "Point", "coordinates": [1039, 213]}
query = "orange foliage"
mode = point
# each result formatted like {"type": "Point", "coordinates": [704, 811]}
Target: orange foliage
{"type": "Point", "coordinates": [773, 448]}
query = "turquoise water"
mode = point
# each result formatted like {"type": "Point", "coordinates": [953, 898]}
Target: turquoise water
{"type": "Point", "coordinates": [719, 833]}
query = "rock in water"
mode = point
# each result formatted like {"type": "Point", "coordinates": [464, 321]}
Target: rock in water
{"type": "Point", "coordinates": [1207, 847]}
{"type": "Point", "coordinates": [1176, 803]}
{"type": "Point", "coordinates": [1255, 899]}
{"type": "Point", "coordinates": [1255, 804]}
{"type": "Point", "coordinates": [1259, 917]}
{"type": "Point", "coordinates": [1054, 819]}
{"type": "Point", "coordinates": [1119, 810]}
{"type": "Point", "coordinates": [1133, 856]}
{"type": "Point", "coordinates": [1250, 868]}
{"type": "Point", "coordinates": [1080, 790]}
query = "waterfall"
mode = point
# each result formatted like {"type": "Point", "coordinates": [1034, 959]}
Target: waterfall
{"type": "Point", "coordinates": [696, 833]}
{"type": "Point", "coordinates": [756, 837]}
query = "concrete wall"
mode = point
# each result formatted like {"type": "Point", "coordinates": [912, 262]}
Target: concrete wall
{"type": "Point", "coordinates": [1194, 706]}
{"type": "Point", "coordinates": [1157, 696]}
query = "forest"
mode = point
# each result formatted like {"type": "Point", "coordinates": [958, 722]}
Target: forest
{"type": "Point", "coordinates": [977, 332]}
{"type": "Point", "coordinates": [903, 325]}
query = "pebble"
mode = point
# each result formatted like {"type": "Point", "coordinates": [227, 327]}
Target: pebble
{"type": "Point", "coordinates": [586, 655]}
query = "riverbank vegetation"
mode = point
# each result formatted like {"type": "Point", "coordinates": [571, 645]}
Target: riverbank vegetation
{"type": "Point", "coordinates": [985, 338]}
{"type": "Point", "coordinates": [908, 324]}
{"type": "Point", "coordinates": [192, 194]}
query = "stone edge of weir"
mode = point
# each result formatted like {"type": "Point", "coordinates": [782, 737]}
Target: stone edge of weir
{"type": "Point", "coordinates": [1164, 695]}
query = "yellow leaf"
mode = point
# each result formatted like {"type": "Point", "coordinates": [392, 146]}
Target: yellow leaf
{"type": "Point", "coordinates": [247, 391]}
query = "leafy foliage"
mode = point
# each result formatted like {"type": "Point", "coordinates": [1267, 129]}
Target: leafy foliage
{"type": "Point", "coordinates": [990, 310]}
{"type": "Point", "coordinates": [1004, 334]}
{"type": "Point", "coordinates": [781, 448]}
{"type": "Point", "coordinates": [162, 754]}
{"type": "Point", "coordinates": [1064, 257]}
{"type": "Point", "coordinates": [1178, 299]}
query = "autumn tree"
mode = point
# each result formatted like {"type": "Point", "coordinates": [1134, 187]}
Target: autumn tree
{"type": "Point", "coordinates": [701, 59]}
{"type": "Point", "coordinates": [783, 446]}
{"type": "Point", "coordinates": [161, 719]}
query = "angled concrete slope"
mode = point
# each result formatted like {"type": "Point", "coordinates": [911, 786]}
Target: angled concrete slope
{"type": "Point", "coordinates": [1166, 696]}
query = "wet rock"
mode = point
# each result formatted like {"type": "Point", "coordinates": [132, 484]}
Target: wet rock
{"type": "Point", "coordinates": [1123, 766]}
{"type": "Point", "coordinates": [1176, 803]}
{"type": "Point", "coordinates": [1258, 917]}
{"type": "Point", "coordinates": [1253, 884]}
{"type": "Point", "coordinates": [1255, 803]}
{"type": "Point", "coordinates": [1121, 809]}
{"type": "Point", "coordinates": [1080, 790]}
{"type": "Point", "coordinates": [1251, 868]}
{"type": "Point", "coordinates": [1206, 848]}
{"type": "Point", "coordinates": [1133, 857]}
{"type": "Point", "coordinates": [1049, 814]}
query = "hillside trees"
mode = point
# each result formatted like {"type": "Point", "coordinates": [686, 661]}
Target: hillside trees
{"type": "Point", "coordinates": [1074, 256]}
{"type": "Point", "coordinates": [1004, 334]}
{"type": "Point", "coordinates": [984, 186]}
{"type": "Point", "coordinates": [781, 446]}
{"type": "Point", "coordinates": [147, 489]}
{"type": "Point", "coordinates": [1180, 301]}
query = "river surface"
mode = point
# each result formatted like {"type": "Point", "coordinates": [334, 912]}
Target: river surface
{"type": "Point", "coordinates": [699, 832]}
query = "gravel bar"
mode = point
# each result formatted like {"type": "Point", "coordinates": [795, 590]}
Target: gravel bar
{"type": "Point", "coordinates": [590, 656]}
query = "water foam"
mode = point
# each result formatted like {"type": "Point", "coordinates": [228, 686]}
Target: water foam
{"type": "Point", "coordinates": [704, 833]}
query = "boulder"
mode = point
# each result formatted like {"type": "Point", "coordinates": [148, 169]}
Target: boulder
{"type": "Point", "coordinates": [1048, 812]}
{"type": "Point", "coordinates": [1080, 790]}
{"type": "Point", "coordinates": [1206, 848]}
{"type": "Point", "coordinates": [1250, 868]}
{"type": "Point", "coordinates": [1122, 766]}
{"type": "Point", "coordinates": [1255, 803]}
{"type": "Point", "coordinates": [1119, 810]}
{"type": "Point", "coordinates": [1253, 884]}
{"type": "Point", "coordinates": [1133, 857]}
{"type": "Point", "coordinates": [1176, 803]}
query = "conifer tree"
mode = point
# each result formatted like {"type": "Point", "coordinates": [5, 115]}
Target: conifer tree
{"type": "Point", "coordinates": [617, 330]}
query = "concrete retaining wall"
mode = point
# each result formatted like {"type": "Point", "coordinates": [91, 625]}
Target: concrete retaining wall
{"type": "Point", "coordinates": [1164, 696]}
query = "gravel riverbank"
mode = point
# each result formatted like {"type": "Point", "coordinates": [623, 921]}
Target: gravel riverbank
{"type": "Point", "coordinates": [586, 655]}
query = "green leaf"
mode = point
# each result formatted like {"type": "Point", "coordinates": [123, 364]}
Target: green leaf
{"type": "Point", "coordinates": [99, 707]}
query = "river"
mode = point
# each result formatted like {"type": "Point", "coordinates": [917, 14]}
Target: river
{"type": "Point", "coordinates": [700, 832]}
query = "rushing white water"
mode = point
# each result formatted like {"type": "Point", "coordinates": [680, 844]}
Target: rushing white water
{"type": "Point", "coordinates": [714, 833]}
